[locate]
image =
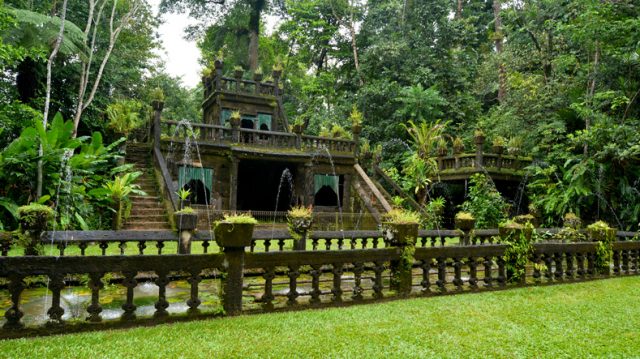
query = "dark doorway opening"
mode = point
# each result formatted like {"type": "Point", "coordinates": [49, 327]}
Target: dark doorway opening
{"type": "Point", "coordinates": [259, 182]}
{"type": "Point", "coordinates": [327, 197]}
{"type": "Point", "coordinates": [246, 124]}
{"type": "Point", "coordinates": [200, 194]}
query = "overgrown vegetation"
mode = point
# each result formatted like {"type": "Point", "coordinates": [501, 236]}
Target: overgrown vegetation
{"type": "Point", "coordinates": [485, 203]}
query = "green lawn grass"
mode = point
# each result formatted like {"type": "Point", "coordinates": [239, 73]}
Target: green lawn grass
{"type": "Point", "coordinates": [598, 319]}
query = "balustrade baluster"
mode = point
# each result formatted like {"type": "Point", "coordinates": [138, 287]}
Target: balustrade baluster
{"type": "Point", "coordinates": [141, 247]}
{"type": "Point", "coordinates": [327, 243]}
{"type": "Point", "coordinates": [625, 262]}
{"type": "Point", "coordinates": [580, 264]}
{"type": "Point", "coordinates": [159, 245]}
{"type": "Point", "coordinates": [442, 274]}
{"type": "Point", "coordinates": [442, 240]}
{"type": "Point", "coordinates": [616, 262]}
{"type": "Point", "coordinates": [315, 284]}
{"type": "Point", "coordinates": [267, 297]}
{"type": "Point", "coordinates": [293, 275]}
{"type": "Point", "coordinates": [6, 247]}
{"type": "Point", "coordinates": [194, 300]}
{"type": "Point", "coordinates": [635, 259]}
{"type": "Point", "coordinates": [433, 241]}
{"type": "Point", "coordinates": [375, 242]}
{"type": "Point", "coordinates": [358, 268]}
{"type": "Point", "coordinates": [558, 270]}
{"type": "Point", "coordinates": [337, 282]}
{"type": "Point", "coordinates": [425, 265]}
{"type": "Point", "coordinates": [55, 285]}
{"type": "Point", "coordinates": [130, 283]}
{"type": "Point", "coordinates": [457, 276]}
{"type": "Point", "coordinates": [103, 247]}
{"type": "Point", "coordinates": [536, 268]}
{"type": "Point", "coordinates": [378, 268]}
{"type": "Point", "coordinates": [14, 314]}
{"type": "Point", "coordinates": [352, 243]}
{"type": "Point", "coordinates": [488, 263]}
{"type": "Point", "coordinates": [281, 245]}
{"type": "Point", "coordinates": [94, 309]}
{"type": "Point", "coordinates": [340, 243]}
{"type": "Point", "coordinates": [267, 244]}
{"type": "Point", "coordinates": [591, 263]}
{"type": "Point", "coordinates": [61, 247]}
{"type": "Point", "coordinates": [83, 247]}
{"type": "Point", "coordinates": [162, 304]}
{"type": "Point", "coordinates": [205, 246]}
{"type": "Point", "coordinates": [314, 244]}
{"type": "Point", "coordinates": [253, 246]}
{"type": "Point", "coordinates": [364, 242]}
{"type": "Point", "coordinates": [123, 247]}
{"type": "Point", "coordinates": [482, 240]}
{"type": "Point", "coordinates": [473, 273]}
{"type": "Point", "coordinates": [570, 268]}
{"type": "Point", "coordinates": [502, 276]}
{"type": "Point", "coordinates": [548, 262]}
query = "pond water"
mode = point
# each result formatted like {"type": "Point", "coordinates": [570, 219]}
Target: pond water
{"type": "Point", "coordinates": [35, 302]}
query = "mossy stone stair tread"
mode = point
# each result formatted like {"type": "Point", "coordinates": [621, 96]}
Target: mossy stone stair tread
{"type": "Point", "coordinates": [147, 212]}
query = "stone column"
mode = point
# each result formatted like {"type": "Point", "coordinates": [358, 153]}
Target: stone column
{"type": "Point", "coordinates": [186, 223]}
{"type": "Point", "coordinates": [308, 184]}
{"type": "Point", "coordinates": [479, 140]}
{"type": "Point", "coordinates": [403, 236]}
{"type": "Point", "coordinates": [233, 238]}
{"type": "Point", "coordinates": [157, 115]}
{"type": "Point", "coordinates": [233, 183]}
{"type": "Point", "coordinates": [346, 193]}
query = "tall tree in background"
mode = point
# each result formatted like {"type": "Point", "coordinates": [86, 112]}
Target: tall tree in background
{"type": "Point", "coordinates": [118, 18]}
{"type": "Point", "coordinates": [499, 42]}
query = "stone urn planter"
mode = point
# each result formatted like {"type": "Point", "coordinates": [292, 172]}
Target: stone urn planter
{"type": "Point", "coordinates": [399, 234]}
{"type": "Point", "coordinates": [238, 73]}
{"type": "Point", "coordinates": [34, 219]}
{"type": "Point", "coordinates": [514, 229]}
{"type": "Point", "coordinates": [157, 105]}
{"type": "Point", "coordinates": [479, 139]}
{"type": "Point", "coordinates": [442, 151]}
{"type": "Point", "coordinates": [257, 77]}
{"type": "Point", "coordinates": [601, 232]}
{"type": "Point", "coordinates": [356, 129]}
{"type": "Point", "coordinates": [236, 235]}
{"type": "Point", "coordinates": [276, 73]}
{"type": "Point", "coordinates": [235, 121]}
{"type": "Point", "coordinates": [498, 149]}
{"type": "Point", "coordinates": [298, 129]}
{"type": "Point", "coordinates": [186, 221]}
{"type": "Point", "coordinates": [464, 222]}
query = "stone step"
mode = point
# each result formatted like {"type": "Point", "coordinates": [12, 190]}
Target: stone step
{"type": "Point", "coordinates": [147, 226]}
{"type": "Point", "coordinates": [148, 210]}
{"type": "Point", "coordinates": [135, 218]}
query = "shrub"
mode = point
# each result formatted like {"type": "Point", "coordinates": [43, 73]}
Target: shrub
{"type": "Point", "coordinates": [239, 219]}
{"type": "Point", "coordinates": [401, 216]}
{"type": "Point", "coordinates": [485, 202]}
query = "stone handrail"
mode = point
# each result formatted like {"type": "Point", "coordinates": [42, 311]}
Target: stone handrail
{"type": "Point", "coordinates": [270, 139]}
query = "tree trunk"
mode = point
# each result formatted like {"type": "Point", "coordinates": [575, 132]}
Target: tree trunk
{"type": "Point", "coordinates": [47, 100]}
{"type": "Point", "coordinates": [254, 32]}
{"type": "Point", "coordinates": [459, 10]}
{"type": "Point", "coordinates": [499, 40]}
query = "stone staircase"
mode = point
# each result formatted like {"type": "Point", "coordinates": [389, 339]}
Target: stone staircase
{"type": "Point", "coordinates": [147, 212]}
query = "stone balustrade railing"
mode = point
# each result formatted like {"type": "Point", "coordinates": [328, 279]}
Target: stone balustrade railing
{"type": "Point", "coordinates": [254, 282]}
{"type": "Point", "coordinates": [111, 243]}
{"type": "Point", "coordinates": [268, 139]}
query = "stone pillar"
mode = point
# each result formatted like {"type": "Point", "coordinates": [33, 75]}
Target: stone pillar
{"type": "Point", "coordinates": [218, 79]}
{"type": "Point", "coordinates": [34, 220]}
{"type": "Point", "coordinates": [186, 223]}
{"type": "Point", "coordinates": [235, 130]}
{"type": "Point", "coordinates": [479, 140]}
{"type": "Point", "coordinates": [308, 184]}
{"type": "Point", "coordinates": [157, 115]}
{"type": "Point", "coordinates": [233, 183]}
{"type": "Point", "coordinates": [403, 236]}
{"type": "Point", "coordinates": [346, 194]}
{"type": "Point", "coordinates": [233, 238]}
{"type": "Point", "coordinates": [356, 129]}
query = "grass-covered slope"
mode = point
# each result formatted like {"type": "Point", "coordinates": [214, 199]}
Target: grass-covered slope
{"type": "Point", "coordinates": [600, 318]}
